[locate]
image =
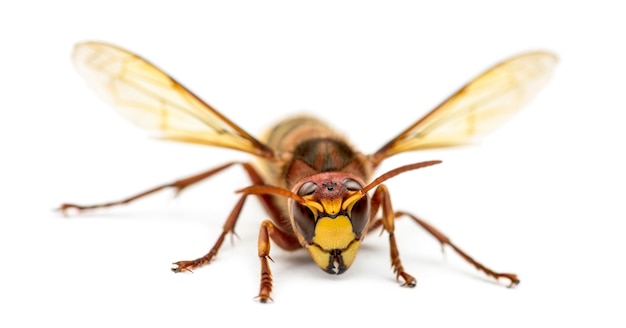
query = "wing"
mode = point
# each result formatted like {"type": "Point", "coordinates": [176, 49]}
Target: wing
{"type": "Point", "coordinates": [152, 100]}
{"type": "Point", "coordinates": [476, 109]}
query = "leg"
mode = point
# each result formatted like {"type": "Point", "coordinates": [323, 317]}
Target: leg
{"type": "Point", "coordinates": [269, 230]}
{"type": "Point", "coordinates": [514, 281]}
{"type": "Point", "coordinates": [229, 225]}
{"type": "Point", "coordinates": [178, 185]}
{"type": "Point", "coordinates": [381, 197]}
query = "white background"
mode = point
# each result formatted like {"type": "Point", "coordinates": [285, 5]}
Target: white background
{"type": "Point", "coordinates": [542, 197]}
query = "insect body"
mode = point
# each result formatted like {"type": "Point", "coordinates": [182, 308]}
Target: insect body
{"type": "Point", "coordinates": [312, 182]}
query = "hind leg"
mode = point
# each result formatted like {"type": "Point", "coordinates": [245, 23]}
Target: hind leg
{"type": "Point", "coordinates": [177, 185]}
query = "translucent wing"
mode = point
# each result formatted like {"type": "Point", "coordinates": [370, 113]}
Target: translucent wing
{"type": "Point", "coordinates": [477, 108]}
{"type": "Point", "coordinates": [152, 100]}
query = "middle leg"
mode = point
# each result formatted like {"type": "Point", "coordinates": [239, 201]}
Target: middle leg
{"type": "Point", "coordinates": [444, 240]}
{"type": "Point", "coordinates": [229, 225]}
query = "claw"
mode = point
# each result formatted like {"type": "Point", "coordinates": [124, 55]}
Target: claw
{"type": "Point", "coordinates": [264, 299]}
{"type": "Point", "coordinates": [65, 207]}
{"type": "Point", "coordinates": [181, 267]}
{"type": "Point", "coordinates": [409, 281]}
{"type": "Point", "coordinates": [514, 283]}
{"type": "Point", "coordinates": [409, 284]}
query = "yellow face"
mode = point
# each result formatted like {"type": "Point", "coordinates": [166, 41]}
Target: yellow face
{"type": "Point", "coordinates": [333, 221]}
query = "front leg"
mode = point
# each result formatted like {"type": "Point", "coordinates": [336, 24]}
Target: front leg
{"type": "Point", "coordinates": [381, 198]}
{"type": "Point", "coordinates": [287, 242]}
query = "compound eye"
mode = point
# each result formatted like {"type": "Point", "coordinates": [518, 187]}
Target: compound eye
{"type": "Point", "coordinates": [304, 220]}
{"type": "Point", "coordinates": [360, 215]}
{"type": "Point", "coordinates": [307, 188]}
{"type": "Point", "coordinates": [352, 184]}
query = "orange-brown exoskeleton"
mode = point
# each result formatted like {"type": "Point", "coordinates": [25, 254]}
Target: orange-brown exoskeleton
{"type": "Point", "coordinates": [314, 185]}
